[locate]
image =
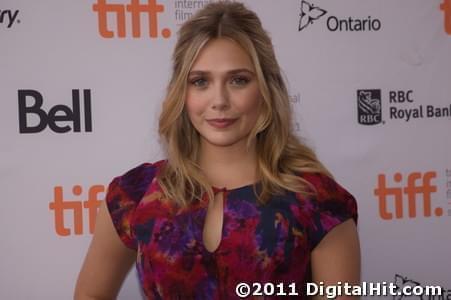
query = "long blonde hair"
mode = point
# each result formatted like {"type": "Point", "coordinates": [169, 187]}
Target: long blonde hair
{"type": "Point", "coordinates": [281, 156]}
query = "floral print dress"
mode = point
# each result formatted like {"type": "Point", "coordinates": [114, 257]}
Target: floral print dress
{"type": "Point", "coordinates": [259, 244]}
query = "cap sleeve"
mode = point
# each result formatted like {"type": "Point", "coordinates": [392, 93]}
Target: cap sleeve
{"type": "Point", "coordinates": [123, 196]}
{"type": "Point", "coordinates": [332, 206]}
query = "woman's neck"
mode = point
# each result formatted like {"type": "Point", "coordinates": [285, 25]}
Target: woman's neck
{"type": "Point", "coordinates": [229, 166]}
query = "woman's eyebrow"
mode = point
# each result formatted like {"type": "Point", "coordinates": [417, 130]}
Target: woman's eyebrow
{"type": "Point", "coordinates": [230, 72]}
{"type": "Point", "coordinates": [240, 71]}
{"type": "Point", "coordinates": [198, 72]}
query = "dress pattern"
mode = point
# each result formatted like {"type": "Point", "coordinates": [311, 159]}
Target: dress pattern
{"type": "Point", "coordinates": [270, 243]}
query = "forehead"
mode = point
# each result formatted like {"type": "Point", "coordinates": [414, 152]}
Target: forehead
{"type": "Point", "coordinates": [222, 54]}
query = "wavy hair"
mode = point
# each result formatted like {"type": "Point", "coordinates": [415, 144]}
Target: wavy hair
{"type": "Point", "coordinates": [281, 156]}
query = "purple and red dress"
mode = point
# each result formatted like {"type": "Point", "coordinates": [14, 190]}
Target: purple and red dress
{"type": "Point", "coordinates": [259, 244]}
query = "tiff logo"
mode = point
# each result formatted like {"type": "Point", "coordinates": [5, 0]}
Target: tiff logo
{"type": "Point", "coordinates": [414, 188]}
{"type": "Point", "coordinates": [59, 206]}
{"type": "Point", "coordinates": [151, 9]}
{"type": "Point", "coordinates": [446, 7]}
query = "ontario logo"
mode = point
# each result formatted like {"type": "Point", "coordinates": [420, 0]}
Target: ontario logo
{"type": "Point", "coordinates": [369, 106]}
{"type": "Point", "coordinates": [311, 13]}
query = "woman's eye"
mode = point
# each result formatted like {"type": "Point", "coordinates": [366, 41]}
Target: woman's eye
{"type": "Point", "coordinates": [240, 80]}
{"type": "Point", "coordinates": [199, 82]}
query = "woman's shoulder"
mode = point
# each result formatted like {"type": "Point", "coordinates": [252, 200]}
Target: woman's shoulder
{"type": "Point", "coordinates": [135, 181]}
{"type": "Point", "coordinates": [141, 173]}
{"type": "Point", "coordinates": [143, 170]}
{"type": "Point", "coordinates": [325, 186]}
{"type": "Point", "coordinates": [330, 199]}
{"type": "Point", "coordinates": [124, 194]}
{"type": "Point", "coordinates": [330, 206]}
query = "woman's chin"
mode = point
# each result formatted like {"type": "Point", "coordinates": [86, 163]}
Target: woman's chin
{"type": "Point", "coordinates": [223, 141]}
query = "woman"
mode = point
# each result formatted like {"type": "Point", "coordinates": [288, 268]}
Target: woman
{"type": "Point", "coordinates": [239, 198]}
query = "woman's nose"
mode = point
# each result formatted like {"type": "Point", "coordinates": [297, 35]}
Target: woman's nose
{"type": "Point", "coordinates": [220, 100]}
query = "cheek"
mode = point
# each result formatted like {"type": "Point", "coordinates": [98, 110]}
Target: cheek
{"type": "Point", "coordinates": [250, 103]}
{"type": "Point", "coordinates": [194, 107]}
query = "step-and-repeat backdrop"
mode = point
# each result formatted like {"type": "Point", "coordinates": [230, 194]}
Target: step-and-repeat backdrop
{"type": "Point", "coordinates": [81, 86]}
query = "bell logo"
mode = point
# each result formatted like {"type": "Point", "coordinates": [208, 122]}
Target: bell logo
{"type": "Point", "coordinates": [417, 184]}
{"type": "Point", "coordinates": [446, 7]}
{"type": "Point", "coordinates": [135, 8]}
{"type": "Point", "coordinates": [59, 206]}
{"type": "Point", "coordinates": [56, 115]}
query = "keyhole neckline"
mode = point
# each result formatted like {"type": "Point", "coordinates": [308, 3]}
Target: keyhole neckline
{"type": "Point", "coordinates": [224, 189]}
{"type": "Point", "coordinates": [216, 191]}
{"type": "Point", "coordinates": [225, 195]}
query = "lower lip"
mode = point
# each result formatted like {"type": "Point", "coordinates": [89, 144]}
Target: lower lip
{"type": "Point", "coordinates": [221, 124]}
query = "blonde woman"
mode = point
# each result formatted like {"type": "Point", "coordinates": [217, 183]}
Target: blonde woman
{"type": "Point", "coordinates": [239, 198]}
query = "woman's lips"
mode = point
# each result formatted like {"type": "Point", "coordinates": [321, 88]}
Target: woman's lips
{"type": "Point", "coordinates": [221, 123]}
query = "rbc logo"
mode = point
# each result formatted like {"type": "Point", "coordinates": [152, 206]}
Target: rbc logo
{"type": "Point", "coordinates": [418, 184]}
{"type": "Point", "coordinates": [401, 96]}
{"type": "Point", "coordinates": [58, 113]}
{"type": "Point", "coordinates": [369, 107]}
{"type": "Point", "coordinates": [59, 206]}
{"type": "Point", "coordinates": [151, 9]}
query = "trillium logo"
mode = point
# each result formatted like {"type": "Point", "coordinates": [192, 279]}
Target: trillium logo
{"type": "Point", "coordinates": [309, 13]}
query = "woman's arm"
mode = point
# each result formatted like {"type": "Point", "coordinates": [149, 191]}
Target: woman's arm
{"type": "Point", "coordinates": [337, 257]}
{"type": "Point", "coordinates": [107, 262]}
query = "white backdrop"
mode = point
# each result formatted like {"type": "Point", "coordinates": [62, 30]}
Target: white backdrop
{"type": "Point", "coordinates": [390, 61]}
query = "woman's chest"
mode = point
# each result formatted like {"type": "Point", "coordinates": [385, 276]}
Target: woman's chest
{"type": "Point", "coordinates": [253, 237]}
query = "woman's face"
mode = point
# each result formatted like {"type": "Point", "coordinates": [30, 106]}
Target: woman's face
{"type": "Point", "coordinates": [223, 98]}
